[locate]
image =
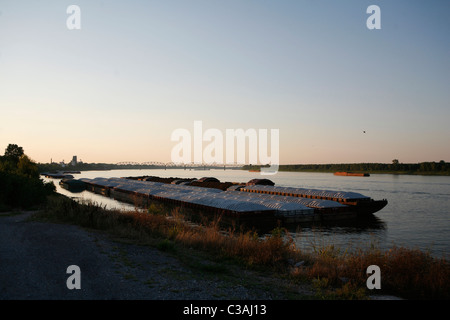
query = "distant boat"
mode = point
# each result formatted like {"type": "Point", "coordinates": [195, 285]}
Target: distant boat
{"type": "Point", "coordinates": [352, 174]}
{"type": "Point", "coordinates": [57, 175]}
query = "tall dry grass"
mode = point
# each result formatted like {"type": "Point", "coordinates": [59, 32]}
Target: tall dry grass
{"type": "Point", "coordinates": [270, 250]}
{"type": "Point", "coordinates": [408, 273]}
{"type": "Point", "coordinates": [158, 221]}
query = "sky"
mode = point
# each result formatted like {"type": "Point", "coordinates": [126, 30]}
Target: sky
{"type": "Point", "coordinates": [117, 88]}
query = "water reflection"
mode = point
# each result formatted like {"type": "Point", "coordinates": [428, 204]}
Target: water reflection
{"type": "Point", "coordinates": [359, 225]}
{"type": "Point", "coordinates": [86, 196]}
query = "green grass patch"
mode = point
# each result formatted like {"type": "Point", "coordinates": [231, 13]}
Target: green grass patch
{"type": "Point", "coordinates": [166, 245]}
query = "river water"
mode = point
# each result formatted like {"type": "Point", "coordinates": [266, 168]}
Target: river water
{"type": "Point", "coordinates": [417, 214]}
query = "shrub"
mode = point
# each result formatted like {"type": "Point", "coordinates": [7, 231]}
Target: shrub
{"type": "Point", "coordinates": [22, 192]}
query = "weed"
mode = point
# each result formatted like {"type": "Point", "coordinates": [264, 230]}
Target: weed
{"type": "Point", "coordinates": [166, 246]}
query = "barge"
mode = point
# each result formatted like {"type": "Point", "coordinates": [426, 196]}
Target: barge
{"type": "Point", "coordinates": [60, 174]}
{"type": "Point", "coordinates": [241, 202]}
{"type": "Point", "coordinates": [360, 204]}
{"type": "Point", "coordinates": [72, 185]}
{"type": "Point", "coordinates": [352, 174]}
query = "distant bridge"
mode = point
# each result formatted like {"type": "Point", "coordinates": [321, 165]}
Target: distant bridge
{"type": "Point", "coordinates": [172, 165]}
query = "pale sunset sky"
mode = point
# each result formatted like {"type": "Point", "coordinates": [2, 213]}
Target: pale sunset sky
{"type": "Point", "coordinates": [117, 88]}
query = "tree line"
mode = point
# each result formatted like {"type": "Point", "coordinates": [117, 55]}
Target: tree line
{"type": "Point", "coordinates": [55, 167]}
{"type": "Point", "coordinates": [438, 168]}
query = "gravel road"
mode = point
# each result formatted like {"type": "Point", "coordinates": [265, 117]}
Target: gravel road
{"type": "Point", "coordinates": [34, 257]}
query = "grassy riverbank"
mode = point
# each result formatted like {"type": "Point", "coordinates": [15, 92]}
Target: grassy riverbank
{"type": "Point", "coordinates": [335, 273]}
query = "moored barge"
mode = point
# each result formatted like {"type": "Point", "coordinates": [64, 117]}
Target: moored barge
{"type": "Point", "coordinates": [72, 185]}
{"type": "Point", "coordinates": [360, 204]}
{"type": "Point", "coordinates": [250, 202]}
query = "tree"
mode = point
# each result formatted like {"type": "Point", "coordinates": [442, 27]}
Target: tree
{"type": "Point", "coordinates": [13, 152]}
{"type": "Point", "coordinates": [20, 185]}
{"type": "Point", "coordinates": [17, 162]}
{"type": "Point", "coordinates": [7, 165]}
{"type": "Point", "coordinates": [27, 167]}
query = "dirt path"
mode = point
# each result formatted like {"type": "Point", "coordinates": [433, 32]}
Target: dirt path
{"type": "Point", "coordinates": [34, 257]}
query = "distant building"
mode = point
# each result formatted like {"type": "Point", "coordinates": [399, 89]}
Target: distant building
{"type": "Point", "coordinates": [74, 161]}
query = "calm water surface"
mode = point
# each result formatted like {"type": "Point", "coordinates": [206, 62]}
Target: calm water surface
{"type": "Point", "coordinates": [417, 215]}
